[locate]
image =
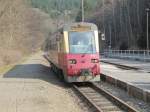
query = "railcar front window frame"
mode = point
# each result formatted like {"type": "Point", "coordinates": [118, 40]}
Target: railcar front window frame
{"type": "Point", "coordinates": [82, 42]}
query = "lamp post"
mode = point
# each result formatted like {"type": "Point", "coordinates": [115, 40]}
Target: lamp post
{"type": "Point", "coordinates": [147, 11]}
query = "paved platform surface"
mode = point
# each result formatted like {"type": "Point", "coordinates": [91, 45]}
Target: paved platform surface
{"type": "Point", "coordinates": [134, 78]}
{"type": "Point", "coordinates": [143, 66]}
{"type": "Point", "coordinates": [32, 87]}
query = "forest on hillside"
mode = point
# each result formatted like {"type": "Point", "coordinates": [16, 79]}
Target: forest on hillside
{"type": "Point", "coordinates": [57, 7]}
{"type": "Point", "coordinates": [62, 12]}
{"type": "Point", "coordinates": [67, 9]}
{"type": "Point", "coordinates": [123, 22]}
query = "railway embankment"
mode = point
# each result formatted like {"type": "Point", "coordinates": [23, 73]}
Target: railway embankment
{"type": "Point", "coordinates": [134, 82]}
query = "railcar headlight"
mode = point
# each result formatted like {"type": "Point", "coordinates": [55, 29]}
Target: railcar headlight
{"type": "Point", "coordinates": [72, 61]}
{"type": "Point", "coordinates": [94, 61]}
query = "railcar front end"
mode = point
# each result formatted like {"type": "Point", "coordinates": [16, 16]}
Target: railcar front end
{"type": "Point", "coordinates": [79, 60]}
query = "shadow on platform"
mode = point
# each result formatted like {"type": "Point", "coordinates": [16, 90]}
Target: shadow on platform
{"type": "Point", "coordinates": [33, 71]}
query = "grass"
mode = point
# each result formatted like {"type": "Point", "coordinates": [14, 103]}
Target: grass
{"type": "Point", "coordinates": [6, 68]}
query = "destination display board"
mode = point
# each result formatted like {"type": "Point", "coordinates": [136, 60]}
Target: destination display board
{"type": "Point", "coordinates": [80, 28]}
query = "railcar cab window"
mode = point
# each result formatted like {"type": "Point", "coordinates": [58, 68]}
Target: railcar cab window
{"type": "Point", "coordinates": [82, 42]}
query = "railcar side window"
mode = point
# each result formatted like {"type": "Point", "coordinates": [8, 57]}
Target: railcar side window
{"type": "Point", "coordinates": [82, 42]}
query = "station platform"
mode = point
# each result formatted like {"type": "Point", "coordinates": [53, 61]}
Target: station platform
{"type": "Point", "coordinates": [139, 65]}
{"type": "Point", "coordinates": [135, 83]}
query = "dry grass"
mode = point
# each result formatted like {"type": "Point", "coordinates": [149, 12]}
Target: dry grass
{"type": "Point", "coordinates": [5, 68]}
{"type": "Point", "coordinates": [9, 56]}
{"type": "Point", "coordinates": [23, 30]}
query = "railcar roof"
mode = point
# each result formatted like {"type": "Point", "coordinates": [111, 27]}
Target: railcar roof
{"type": "Point", "coordinates": [68, 27]}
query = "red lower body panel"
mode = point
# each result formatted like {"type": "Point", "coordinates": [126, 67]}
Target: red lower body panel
{"type": "Point", "coordinates": [83, 65]}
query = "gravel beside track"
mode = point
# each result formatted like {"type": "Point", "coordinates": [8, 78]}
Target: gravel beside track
{"type": "Point", "coordinates": [138, 104]}
{"type": "Point", "coordinates": [100, 100]}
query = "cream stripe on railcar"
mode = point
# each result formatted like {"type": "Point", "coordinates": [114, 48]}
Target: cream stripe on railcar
{"type": "Point", "coordinates": [96, 41]}
{"type": "Point", "coordinates": [66, 50]}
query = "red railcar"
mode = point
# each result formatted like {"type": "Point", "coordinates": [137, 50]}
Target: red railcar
{"type": "Point", "coordinates": [74, 53]}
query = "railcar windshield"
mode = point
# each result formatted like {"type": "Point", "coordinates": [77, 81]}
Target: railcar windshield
{"type": "Point", "coordinates": [82, 42]}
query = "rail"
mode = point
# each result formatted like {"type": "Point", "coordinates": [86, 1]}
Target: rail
{"type": "Point", "coordinates": [101, 100]}
{"type": "Point", "coordinates": [143, 55]}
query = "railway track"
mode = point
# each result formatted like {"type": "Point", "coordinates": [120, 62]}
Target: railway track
{"type": "Point", "coordinates": [100, 100]}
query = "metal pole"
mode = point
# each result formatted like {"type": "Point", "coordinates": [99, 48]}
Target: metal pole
{"type": "Point", "coordinates": [147, 10]}
{"type": "Point", "coordinates": [104, 21]}
{"type": "Point", "coordinates": [57, 16]}
{"type": "Point", "coordinates": [110, 36]}
{"type": "Point", "coordinates": [82, 10]}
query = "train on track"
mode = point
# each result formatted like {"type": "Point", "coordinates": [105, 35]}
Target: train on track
{"type": "Point", "coordinates": [73, 52]}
